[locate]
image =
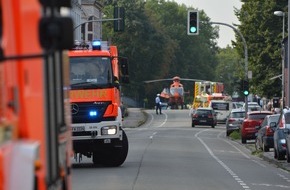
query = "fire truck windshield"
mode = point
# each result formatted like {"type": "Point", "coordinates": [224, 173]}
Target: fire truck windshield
{"type": "Point", "coordinates": [90, 71]}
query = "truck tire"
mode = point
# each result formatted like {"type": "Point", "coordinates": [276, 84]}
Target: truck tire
{"type": "Point", "coordinates": [116, 156]}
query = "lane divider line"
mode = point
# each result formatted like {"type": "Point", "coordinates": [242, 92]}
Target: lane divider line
{"type": "Point", "coordinates": [235, 176]}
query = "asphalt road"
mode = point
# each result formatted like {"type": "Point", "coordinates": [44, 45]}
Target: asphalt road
{"type": "Point", "coordinates": [167, 153]}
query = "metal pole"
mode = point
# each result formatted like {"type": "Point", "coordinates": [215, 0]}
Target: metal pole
{"type": "Point", "coordinates": [97, 20]}
{"type": "Point", "coordinates": [288, 57]}
{"type": "Point", "coordinates": [246, 55]}
{"type": "Point", "coordinates": [283, 64]}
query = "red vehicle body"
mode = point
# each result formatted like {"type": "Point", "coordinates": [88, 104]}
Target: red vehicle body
{"type": "Point", "coordinates": [253, 119]}
{"type": "Point", "coordinates": [35, 133]}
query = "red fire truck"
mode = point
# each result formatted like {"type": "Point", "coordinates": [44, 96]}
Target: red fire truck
{"type": "Point", "coordinates": [35, 133]}
{"type": "Point", "coordinates": [95, 102]}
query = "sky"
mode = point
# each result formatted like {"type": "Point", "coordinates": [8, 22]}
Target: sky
{"type": "Point", "coordinates": [218, 11]}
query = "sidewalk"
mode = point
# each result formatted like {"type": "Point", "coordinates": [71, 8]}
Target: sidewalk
{"type": "Point", "coordinates": [135, 118]}
{"type": "Point", "coordinates": [267, 156]}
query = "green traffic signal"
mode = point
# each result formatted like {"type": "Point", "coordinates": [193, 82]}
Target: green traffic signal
{"type": "Point", "coordinates": [192, 22]}
{"type": "Point", "coordinates": [193, 29]}
{"type": "Point", "coordinates": [246, 87]}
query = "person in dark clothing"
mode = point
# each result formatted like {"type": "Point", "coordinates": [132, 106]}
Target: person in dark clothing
{"type": "Point", "coordinates": [158, 104]}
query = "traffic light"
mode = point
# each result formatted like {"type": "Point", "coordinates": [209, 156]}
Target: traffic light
{"type": "Point", "coordinates": [246, 88]}
{"type": "Point", "coordinates": [192, 22]}
{"type": "Point", "coordinates": [119, 15]}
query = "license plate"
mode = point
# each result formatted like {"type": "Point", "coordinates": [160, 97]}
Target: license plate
{"type": "Point", "coordinates": [202, 121]}
{"type": "Point", "coordinates": [107, 141]}
{"type": "Point", "coordinates": [76, 129]}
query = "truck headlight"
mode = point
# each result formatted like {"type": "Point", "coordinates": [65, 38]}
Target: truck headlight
{"type": "Point", "coordinates": [111, 130]}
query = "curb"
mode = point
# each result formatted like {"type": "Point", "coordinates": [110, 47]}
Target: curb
{"type": "Point", "coordinates": [279, 163]}
{"type": "Point", "coordinates": [144, 118]}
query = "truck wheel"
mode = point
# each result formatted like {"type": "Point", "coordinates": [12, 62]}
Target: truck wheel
{"type": "Point", "coordinates": [117, 156]}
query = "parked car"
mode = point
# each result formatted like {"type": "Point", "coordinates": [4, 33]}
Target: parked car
{"type": "Point", "coordinates": [204, 116]}
{"type": "Point", "coordinates": [284, 123]}
{"type": "Point", "coordinates": [234, 120]}
{"type": "Point", "coordinates": [264, 136]}
{"type": "Point", "coordinates": [237, 105]}
{"type": "Point", "coordinates": [280, 142]}
{"type": "Point", "coordinates": [248, 127]}
{"type": "Point", "coordinates": [252, 106]}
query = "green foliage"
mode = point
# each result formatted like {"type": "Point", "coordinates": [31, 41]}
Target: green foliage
{"type": "Point", "coordinates": [235, 135]}
{"type": "Point", "coordinates": [157, 45]}
{"type": "Point", "coordinates": [229, 69]}
{"type": "Point", "coordinates": [262, 31]}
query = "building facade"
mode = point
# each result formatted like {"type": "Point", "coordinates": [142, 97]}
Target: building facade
{"type": "Point", "coordinates": [82, 12]}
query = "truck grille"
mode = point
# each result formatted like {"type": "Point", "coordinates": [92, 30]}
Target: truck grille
{"type": "Point", "coordinates": [81, 111]}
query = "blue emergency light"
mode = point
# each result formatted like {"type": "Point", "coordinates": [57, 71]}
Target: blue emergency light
{"type": "Point", "coordinates": [96, 44]}
{"type": "Point", "coordinates": [93, 113]}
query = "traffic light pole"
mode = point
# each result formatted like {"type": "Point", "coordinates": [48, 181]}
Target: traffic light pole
{"type": "Point", "coordinates": [97, 20]}
{"type": "Point", "coordinates": [245, 52]}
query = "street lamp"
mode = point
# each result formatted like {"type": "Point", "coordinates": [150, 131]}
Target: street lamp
{"type": "Point", "coordinates": [282, 14]}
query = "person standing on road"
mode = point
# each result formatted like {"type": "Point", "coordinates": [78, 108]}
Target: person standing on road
{"type": "Point", "coordinates": [158, 104]}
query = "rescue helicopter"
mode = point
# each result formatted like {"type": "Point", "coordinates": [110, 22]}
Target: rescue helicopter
{"type": "Point", "coordinates": [175, 93]}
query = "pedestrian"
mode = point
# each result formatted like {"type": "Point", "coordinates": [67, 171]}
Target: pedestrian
{"type": "Point", "coordinates": [158, 104]}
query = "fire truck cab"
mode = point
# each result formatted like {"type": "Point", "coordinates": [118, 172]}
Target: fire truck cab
{"type": "Point", "coordinates": [95, 103]}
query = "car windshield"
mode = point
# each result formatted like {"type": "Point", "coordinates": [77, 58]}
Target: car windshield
{"type": "Point", "coordinates": [287, 118]}
{"type": "Point", "coordinates": [237, 114]}
{"type": "Point", "coordinates": [257, 116]}
{"type": "Point", "coordinates": [88, 71]}
{"type": "Point", "coordinates": [203, 112]}
{"type": "Point", "coordinates": [220, 105]}
{"type": "Point", "coordinates": [274, 118]}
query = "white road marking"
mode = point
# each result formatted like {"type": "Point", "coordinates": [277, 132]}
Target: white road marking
{"type": "Point", "coordinates": [235, 176]}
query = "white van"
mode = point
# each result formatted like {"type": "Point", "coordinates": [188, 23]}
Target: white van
{"type": "Point", "coordinates": [222, 108]}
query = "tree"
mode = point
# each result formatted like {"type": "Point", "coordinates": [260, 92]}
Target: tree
{"type": "Point", "coordinates": [262, 31]}
{"type": "Point", "coordinates": [230, 69]}
{"type": "Point", "coordinates": [156, 42]}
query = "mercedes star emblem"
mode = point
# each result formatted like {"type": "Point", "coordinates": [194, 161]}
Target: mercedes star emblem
{"type": "Point", "coordinates": [74, 108]}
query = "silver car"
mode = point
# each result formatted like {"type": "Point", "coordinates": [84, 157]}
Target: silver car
{"type": "Point", "coordinates": [234, 120]}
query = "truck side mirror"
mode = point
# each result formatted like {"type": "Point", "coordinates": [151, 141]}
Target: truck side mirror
{"type": "Point", "coordinates": [56, 33]}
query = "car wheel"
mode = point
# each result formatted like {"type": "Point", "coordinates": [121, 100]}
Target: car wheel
{"type": "Point", "coordinates": [287, 156]}
{"type": "Point", "coordinates": [275, 153]}
{"type": "Point", "coordinates": [228, 133]}
{"type": "Point", "coordinates": [244, 140]}
{"type": "Point", "coordinates": [280, 156]}
{"type": "Point", "coordinates": [265, 148]}
{"type": "Point", "coordinates": [192, 124]}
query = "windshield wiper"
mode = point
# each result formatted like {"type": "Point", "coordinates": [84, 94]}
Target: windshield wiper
{"type": "Point", "coordinates": [88, 85]}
